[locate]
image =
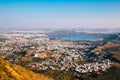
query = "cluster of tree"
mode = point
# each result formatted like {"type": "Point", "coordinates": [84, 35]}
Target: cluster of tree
{"type": "Point", "coordinates": [112, 74]}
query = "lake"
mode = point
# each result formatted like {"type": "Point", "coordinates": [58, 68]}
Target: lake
{"type": "Point", "coordinates": [76, 37]}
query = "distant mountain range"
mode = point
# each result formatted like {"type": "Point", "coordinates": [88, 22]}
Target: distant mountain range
{"type": "Point", "coordinates": [53, 29]}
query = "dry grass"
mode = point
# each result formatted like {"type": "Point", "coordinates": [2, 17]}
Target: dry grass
{"type": "Point", "coordinates": [116, 55]}
{"type": "Point", "coordinates": [10, 71]}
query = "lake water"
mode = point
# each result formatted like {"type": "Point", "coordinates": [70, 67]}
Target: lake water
{"type": "Point", "coordinates": [76, 37]}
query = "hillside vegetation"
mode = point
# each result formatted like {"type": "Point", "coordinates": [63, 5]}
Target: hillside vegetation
{"type": "Point", "coordinates": [10, 71]}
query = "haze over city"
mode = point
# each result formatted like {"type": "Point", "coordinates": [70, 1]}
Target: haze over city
{"type": "Point", "coordinates": [59, 39]}
{"type": "Point", "coordinates": [39, 14]}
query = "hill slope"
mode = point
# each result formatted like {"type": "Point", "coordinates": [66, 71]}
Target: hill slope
{"type": "Point", "coordinates": [10, 71]}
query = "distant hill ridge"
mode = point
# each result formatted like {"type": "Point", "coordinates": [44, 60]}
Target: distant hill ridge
{"type": "Point", "coordinates": [10, 71]}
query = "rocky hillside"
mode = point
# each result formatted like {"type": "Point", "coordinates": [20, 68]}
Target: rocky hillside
{"type": "Point", "coordinates": [10, 71]}
{"type": "Point", "coordinates": [114, 51]}
{"type": "Point", "coordinates": [109, 45]}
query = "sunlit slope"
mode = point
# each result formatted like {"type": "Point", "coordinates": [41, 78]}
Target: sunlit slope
{"type": "Point", "coordinates": [10, 71]}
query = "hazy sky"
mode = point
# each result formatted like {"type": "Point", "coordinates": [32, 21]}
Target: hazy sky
{"type": "Point", "coordinates": [59, 13]}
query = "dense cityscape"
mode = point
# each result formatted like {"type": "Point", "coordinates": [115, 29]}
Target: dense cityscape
{"type": "Point", "coordinates": [36, 51]}
{"type": "Point", "coordinates": [59, 39]}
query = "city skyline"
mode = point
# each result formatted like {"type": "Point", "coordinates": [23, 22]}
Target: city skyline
{"type": "Point", "coordinates": [37, 14]}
